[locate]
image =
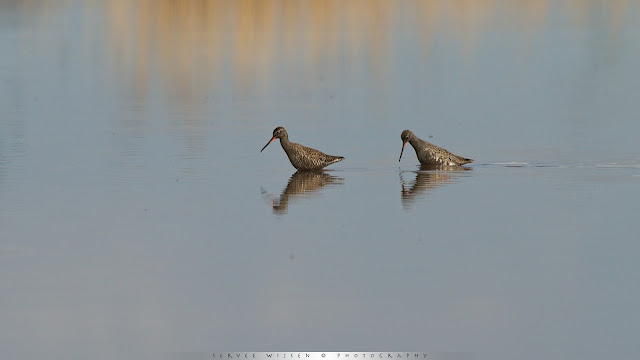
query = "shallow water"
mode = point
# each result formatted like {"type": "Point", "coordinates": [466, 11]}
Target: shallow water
{"type": "Point", "coordinates": [138, 216]}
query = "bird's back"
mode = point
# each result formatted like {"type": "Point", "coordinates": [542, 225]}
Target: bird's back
{"type": "Point", "coordinates": [430, 154]}
{"type": "Point", "coordinates": [306, 158]}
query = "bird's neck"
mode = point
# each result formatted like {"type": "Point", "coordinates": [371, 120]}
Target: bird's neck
{"type": "Point", "coordinates": [414, 141]}
{"type": "Point", "coordinates": [284, 141]}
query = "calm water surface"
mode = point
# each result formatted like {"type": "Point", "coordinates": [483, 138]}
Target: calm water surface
{"type": "Point", "coordinates": [138, 217]}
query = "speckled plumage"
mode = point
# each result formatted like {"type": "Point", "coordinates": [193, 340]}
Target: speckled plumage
{"type": "Point", "coordinates": [429, 154]}
{"type": "Point", "coordinates": [302, 157]}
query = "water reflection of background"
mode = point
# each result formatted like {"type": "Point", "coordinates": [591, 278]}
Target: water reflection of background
{"type": "Point", "coordinates": [204, 60]}
{"type": "Point", "coordinates": [192, 44]}
{"type": "Point", "coordinates": [214, 60]}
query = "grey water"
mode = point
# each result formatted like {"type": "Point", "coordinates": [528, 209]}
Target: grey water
{"type": "Point", "coordinates": [138, 216]}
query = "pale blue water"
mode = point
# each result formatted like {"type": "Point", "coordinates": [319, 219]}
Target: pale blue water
{"type": "Point", "coordinates": [138, 217]}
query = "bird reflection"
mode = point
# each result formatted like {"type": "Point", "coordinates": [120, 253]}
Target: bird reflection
{"type": "Point", "coordinates": [302, 184]}
{"type": "Point", "coordinates": [427, 178]}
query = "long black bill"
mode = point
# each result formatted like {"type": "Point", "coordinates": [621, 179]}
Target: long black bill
{"type": "Point", "coordinates": [273, 138]}
{"type": "Point", "coordinates": [401, 151]}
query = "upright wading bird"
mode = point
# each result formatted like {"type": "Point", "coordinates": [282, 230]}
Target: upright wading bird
{"type": "Point", "coordinates": [302, 157]}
